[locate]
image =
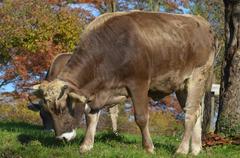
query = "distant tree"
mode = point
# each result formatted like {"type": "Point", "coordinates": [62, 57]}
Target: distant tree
{"type": "Point", "coordinates": [229, 118]}
{"type": "Point", "coordinates": [32, 32]}
{"type": "Point", "coordinates": [102, 5]}
{"type": "Point", "coordinates": [153, 5]}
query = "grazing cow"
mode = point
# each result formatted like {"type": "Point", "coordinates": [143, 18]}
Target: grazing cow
{"type": "Point", "coordinates": [144, 54]}
{"type": "Point", "coordinates": [37, 105]}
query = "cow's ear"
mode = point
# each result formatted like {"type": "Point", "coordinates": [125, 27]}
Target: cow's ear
{"type": "Point", "coordinates": [38, 89]}
{"type": "Point", "coordinates": [61, 101]}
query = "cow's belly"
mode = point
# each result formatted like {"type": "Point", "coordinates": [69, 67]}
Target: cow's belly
{"type": "Point", "coordinates": [169, 82]}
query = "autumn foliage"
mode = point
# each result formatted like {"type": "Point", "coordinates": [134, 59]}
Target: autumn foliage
{"type": "Point", "coordinates": [32, 32]}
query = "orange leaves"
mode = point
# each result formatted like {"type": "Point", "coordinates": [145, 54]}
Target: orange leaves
{"type": "Point", "coordinates": [9, 74]}
{"type": "Point", "coordinates": [171, 4]}
{"type": "Point", "coordinates": [185, 2]}
{"type": "Point", "coordinates": [32, 32]}
{"type": "Point", "coordinates": [174, 4]}
{"type": "Point", "coordinates": [19, 66]}
{"type": "Point", "coordinates": [34, 62]}
{"type": "Point", "coordinates": [213, 139]}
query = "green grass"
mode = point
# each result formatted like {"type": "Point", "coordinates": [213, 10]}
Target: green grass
{"type": "Point", "coordinates": [22, 140]}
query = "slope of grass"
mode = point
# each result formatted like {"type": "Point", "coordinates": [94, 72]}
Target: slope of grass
{"type": "Point", "coordinates": [30, 141]}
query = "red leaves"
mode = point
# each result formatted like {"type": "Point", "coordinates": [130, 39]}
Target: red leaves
{"type": "Point", "coordinates": [34, 62]}
{"type": "Point", "coordinates": [9, 74]}
{"type": "Point", "coordinates": [213, 139]}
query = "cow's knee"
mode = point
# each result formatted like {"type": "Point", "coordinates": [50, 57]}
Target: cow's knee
{"type": "Point", "coordinates": [141, 120]}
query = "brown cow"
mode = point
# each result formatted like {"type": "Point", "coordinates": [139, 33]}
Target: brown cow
{"type": "Point", "coordinates": [141, 52]}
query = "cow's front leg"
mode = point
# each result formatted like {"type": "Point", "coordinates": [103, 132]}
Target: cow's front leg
{"type": "Point", "coordinates": [92, 120]}
{"type": "Point", "coordinates": [141, 113]}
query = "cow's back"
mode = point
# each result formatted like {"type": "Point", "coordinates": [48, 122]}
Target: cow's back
{"type": "Point", "coordinates": [140, 45]}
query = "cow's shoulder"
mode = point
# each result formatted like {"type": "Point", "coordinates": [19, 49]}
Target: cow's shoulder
{"type": "Point", "coordinates": [99, 21]}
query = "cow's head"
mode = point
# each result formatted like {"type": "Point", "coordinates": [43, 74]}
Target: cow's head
{"type": "Point", "coordinates": [36, 105]}
{"type": "Point", "coordinates": [64, 106]}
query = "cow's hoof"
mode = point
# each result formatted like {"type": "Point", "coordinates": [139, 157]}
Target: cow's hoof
{"type": "Point", "coordinates": [196, 150]}
{"type": "Point", "coordinates": [183, 151]}
{"type": "Point", "coordinates": [150, 150]}
{"type": "Point", "coordinates": [85, 148]}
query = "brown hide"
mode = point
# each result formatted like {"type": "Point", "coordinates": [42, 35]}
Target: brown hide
{"type": "Point", "coordinates": [122, 49]}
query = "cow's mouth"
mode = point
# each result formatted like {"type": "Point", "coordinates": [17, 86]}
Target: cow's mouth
{"type": "Point", "coordinates": [33, 105]}
{"type": "Point", "coordinates": [67, 136]}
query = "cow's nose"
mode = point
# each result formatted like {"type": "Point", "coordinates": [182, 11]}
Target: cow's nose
{"type": "Point", "coordinates": [67, 136]}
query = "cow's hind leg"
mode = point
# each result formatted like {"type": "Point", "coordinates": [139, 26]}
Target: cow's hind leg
{"type": "Point", "coordinates": [195, 91]}
{"type": "Point", "coordinates": [92, 120]}
{"type": "Point", "coordinates": [197, 135]}
{"type": "Point", "coordinates": [141, 113]}
{"type": "Point", "coordinates": [114, 115]}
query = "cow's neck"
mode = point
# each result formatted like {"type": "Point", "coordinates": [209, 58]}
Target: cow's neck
{"type": "Point", "coordinates": [81, 73]}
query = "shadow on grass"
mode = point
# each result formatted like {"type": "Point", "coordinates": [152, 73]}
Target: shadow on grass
{"type": "Point", "coordinates": [18, 126]}
{"type": "Point", "coordinates": [46, 140]}
{"type": "Point", "coordinates": [109, 136]}
{"type": "Point", "coordinates": [30, 132]}
{"type": "Point", "coordinates": [167, 147]}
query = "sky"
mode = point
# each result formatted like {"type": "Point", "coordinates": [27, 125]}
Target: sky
{"type": "Point", "coordinates": [7, 88]}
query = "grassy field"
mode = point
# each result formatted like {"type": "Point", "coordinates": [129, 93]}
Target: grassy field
{"type": "Point", "coordinates": [30, 141]}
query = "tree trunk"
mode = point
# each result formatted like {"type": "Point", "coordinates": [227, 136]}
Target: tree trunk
{"type": "Point", "coordinates": [111, 6]}
{"type": "Point", "coordinates": [229, 108]}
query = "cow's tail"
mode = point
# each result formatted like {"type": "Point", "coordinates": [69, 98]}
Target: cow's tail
{"type": "Point", "coordinates": [206, 101]}
{"type": "Point", "coordinates": [211, 77]}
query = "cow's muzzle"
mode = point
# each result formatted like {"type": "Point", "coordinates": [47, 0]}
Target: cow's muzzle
{"type": "Point", "coordinates": [34, 105]}
{"type": "Point", "coordinates": [67, 136]}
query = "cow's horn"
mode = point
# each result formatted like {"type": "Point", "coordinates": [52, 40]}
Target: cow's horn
{"type": "Point", "coordinates": [36, 87]}
{"type": "Point", "coordinates": [78, 97]}
{"type": "Point", "coordinates": [39, 86]}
